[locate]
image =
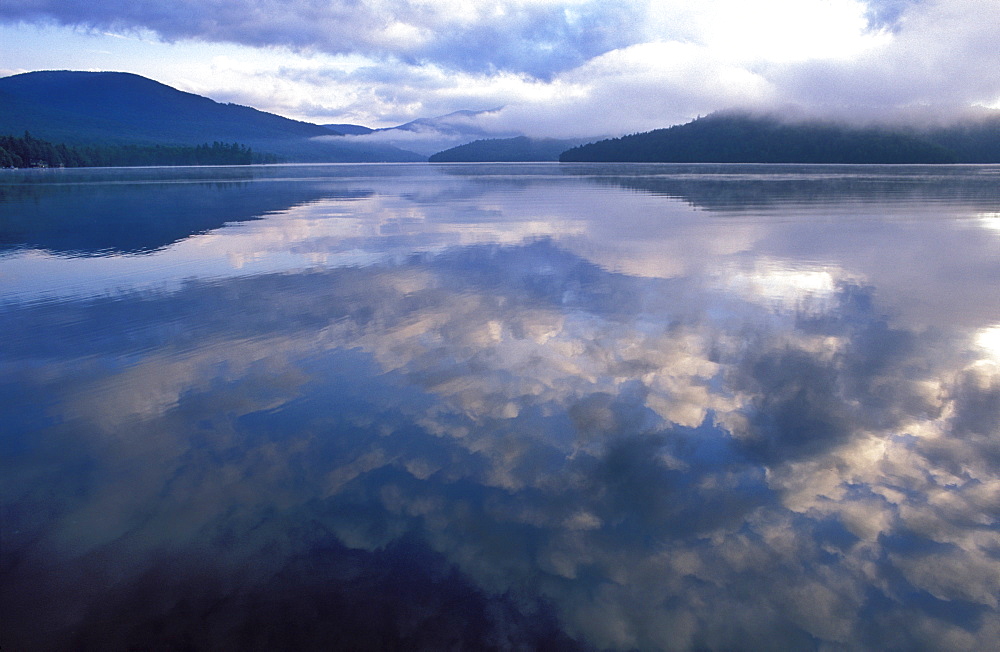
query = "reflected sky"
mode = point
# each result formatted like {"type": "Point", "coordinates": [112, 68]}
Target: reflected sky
{"type": "Point", "coordinates": [501, 406]}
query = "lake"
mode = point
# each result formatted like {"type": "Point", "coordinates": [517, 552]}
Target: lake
{"type": "Point", "coordinates": [500, 406]}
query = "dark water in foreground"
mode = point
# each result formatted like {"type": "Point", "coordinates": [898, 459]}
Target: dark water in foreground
{"type": "Point", "coordinates": [510, 407]}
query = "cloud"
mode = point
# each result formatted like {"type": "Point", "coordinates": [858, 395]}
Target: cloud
{"type": "Point", "coordinates": [886, 14]}
{"type": "Point", "coordinates": [575, 68]}
{"type": "Point", "coordinates": [934, 63]}
{"type": "Point", "coordinates": [578, 67]}
{"type": "Point", "coordinates": [938, 57]}
{"type": "Point", "coordinates": [642, 87]}
{"type": "Point", "coordinates": [538, 38]}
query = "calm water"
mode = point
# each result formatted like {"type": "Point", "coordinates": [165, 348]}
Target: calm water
{"type": "Point", "coordinates": [500, 406]}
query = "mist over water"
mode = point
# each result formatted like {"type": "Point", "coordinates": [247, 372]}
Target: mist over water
{"type": "Point", "coordinates": [501, 406]}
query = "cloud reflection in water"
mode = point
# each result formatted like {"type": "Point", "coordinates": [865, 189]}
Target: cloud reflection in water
{"type": "Point", "coordinates": [760, 445]}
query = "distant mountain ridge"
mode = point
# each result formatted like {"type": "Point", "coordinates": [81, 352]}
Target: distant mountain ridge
{"type": "Point", "coordinates": [457, 122]}
{"type": "Point", "coordinates": [122, 109]}
{"type": "Point", "coordinates": [732, 137]}
{"type": "Point", "coordinates": [431, 135]}
{"type": "Point", "coordinates": [349, 129]}
{"type": "Point", "coordinates": [506, 150]}
{"type": "Point", "coordinates": [81, 108]}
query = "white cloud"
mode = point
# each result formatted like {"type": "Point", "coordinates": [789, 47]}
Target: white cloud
{"type": "Point", "coordinates": [942, 54]}
{"type": "Point", "coordinates": [566, 68]}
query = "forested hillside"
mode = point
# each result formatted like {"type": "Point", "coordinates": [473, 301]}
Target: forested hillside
{"type": "Point", "coordinates": [737, 138]}
{"type": "Point", "coordinates": [28, 151]}
{"type": "Point", "coordinates": [113, 108]}
{"type": "Point", "coordinates": [972, 142]}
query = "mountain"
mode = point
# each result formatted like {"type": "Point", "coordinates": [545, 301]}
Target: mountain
{"type": "Point", "coordinates": [349, 130]}
{"type": "Point", "coordinates": [463, 123]}
{"type": "Point", "coordinates": [520, 148]}
{"type": "Point", "coordinates": [84, 108]}
{"type": "Point", "coordinates": [972, 141]}
{"type": "Point", "coordinates": [740, 138]}
{"type": "Point", "coordinates": [429, 135]}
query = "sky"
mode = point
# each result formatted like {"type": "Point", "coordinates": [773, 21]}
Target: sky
{"type": "Point", "coordinates": [564, 68]}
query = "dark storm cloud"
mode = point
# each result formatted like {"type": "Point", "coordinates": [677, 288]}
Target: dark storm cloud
{"type": "Point", "coordinates": [540, 40]}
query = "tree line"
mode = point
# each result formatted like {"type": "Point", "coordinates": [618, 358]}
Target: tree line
{"type": "Point", "coordinates": [28, 151]}
{"type": "Point", "coordinates": [734, 138]}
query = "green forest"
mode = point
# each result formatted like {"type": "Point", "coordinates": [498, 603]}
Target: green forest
{"type": "Point", "coordinates": [28, 151]}
{"type": "Point", "coordinates": [735, 138]}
